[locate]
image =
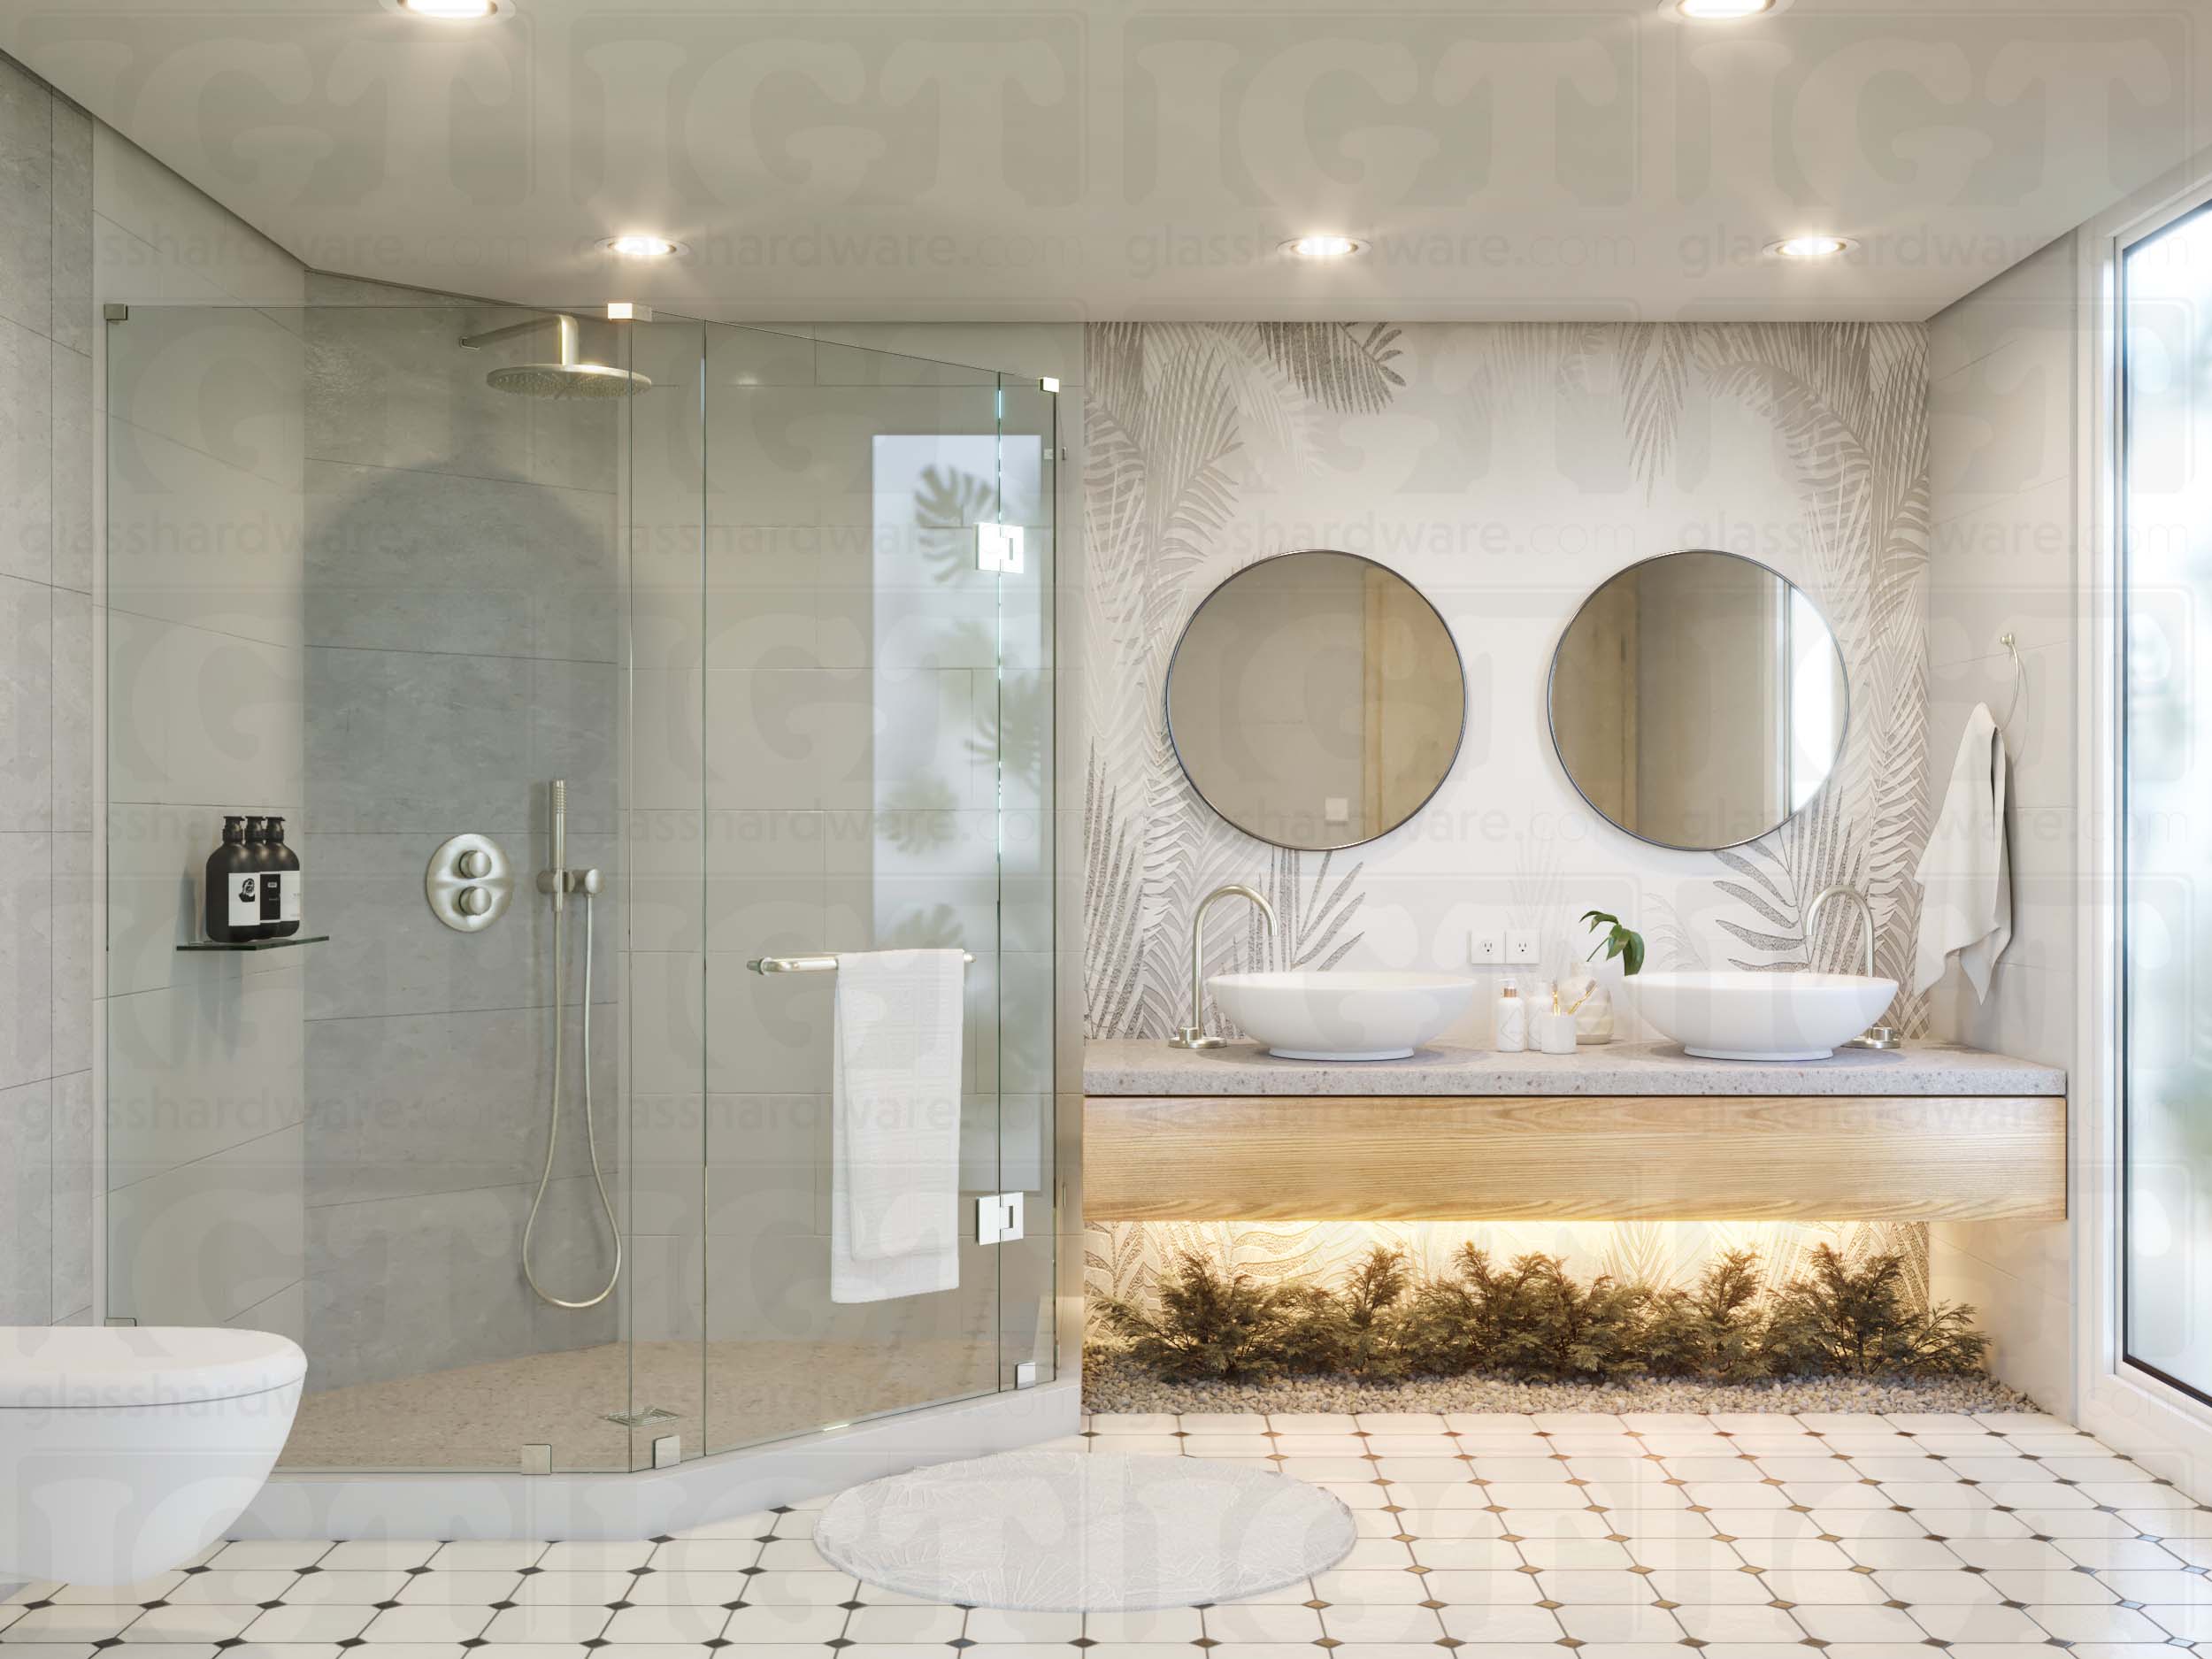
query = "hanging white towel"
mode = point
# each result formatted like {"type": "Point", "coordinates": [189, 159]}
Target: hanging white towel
{"type": "Point", "coordinates": [1965, 875]}
{"type": "Point", "coordinates": [895, 1200]}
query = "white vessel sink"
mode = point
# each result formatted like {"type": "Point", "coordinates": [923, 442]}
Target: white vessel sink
{"type": "Point", "coordinates": [1342, 1016]}
{"type": "Point", "coordinates": [1760, 1016]}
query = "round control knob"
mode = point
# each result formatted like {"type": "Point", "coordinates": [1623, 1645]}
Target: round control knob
{"type": "Point", "coordinates": [473, 900]}
{"type": "Point", "coordinates": [475, 863]}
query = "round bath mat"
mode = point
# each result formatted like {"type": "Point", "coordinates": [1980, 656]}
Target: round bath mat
{"type": "Point", "coordinates": [1091, 1533]}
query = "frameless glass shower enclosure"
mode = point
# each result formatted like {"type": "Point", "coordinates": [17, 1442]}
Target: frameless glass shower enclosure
{"type": "Point", "coordinates": [699, 649]}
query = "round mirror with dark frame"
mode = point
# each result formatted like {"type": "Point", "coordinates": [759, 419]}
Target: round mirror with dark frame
{"type": "Point", "coordinates": [1698, 700]}
{"type": "Point", "coordinates": [1315, 700]}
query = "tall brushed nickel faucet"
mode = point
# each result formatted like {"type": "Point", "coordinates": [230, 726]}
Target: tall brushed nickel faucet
{"type": "Point", "coordinates": [1193, 1035]}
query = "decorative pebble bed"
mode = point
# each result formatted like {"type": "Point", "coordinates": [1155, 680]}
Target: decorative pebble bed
{"type": "Point", "coordinates": [1111, 1383]}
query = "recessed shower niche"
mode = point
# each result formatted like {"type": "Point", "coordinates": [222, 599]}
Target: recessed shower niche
{"type": "Point", "coordinates": [723, 585]}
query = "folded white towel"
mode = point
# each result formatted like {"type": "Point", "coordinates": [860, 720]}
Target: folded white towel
{"type": "Point", "coordinates": [895, 1200]}
{"type": "Point", "coordinates": [1965, 875]}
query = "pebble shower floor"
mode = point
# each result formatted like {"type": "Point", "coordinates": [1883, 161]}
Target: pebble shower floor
{"type": "Point", "coordinates": [1754, 1536]}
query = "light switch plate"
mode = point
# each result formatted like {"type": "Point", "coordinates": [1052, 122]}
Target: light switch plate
{"type": "Point", "coordinates": [1520, 947]}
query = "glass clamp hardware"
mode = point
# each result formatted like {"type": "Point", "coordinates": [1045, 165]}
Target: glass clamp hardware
{"type": "Point", "coordinates": [998, 1218]}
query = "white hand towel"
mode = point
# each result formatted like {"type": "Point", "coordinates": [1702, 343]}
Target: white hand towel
{"type": "Point", "coordinates": [1965, 875]}
{"type": "Point", "coordinates": [895, 1200]}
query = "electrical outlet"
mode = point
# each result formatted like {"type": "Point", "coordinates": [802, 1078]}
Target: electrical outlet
{"type": "Point", "coordinates": [1520, 947]}
{"type": "Point", "coordinates": [1485, 951]}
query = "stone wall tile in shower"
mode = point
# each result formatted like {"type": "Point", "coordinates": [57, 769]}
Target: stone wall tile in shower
{"type": "Point", "coordinates": [769, 1164]}
{"type": "Point", "coordinates": [667, 757]}
{"type": "Point", "coordinates": [197, 1068]}
{"type": "Point", "coordinates": [415, 1104]}
{"type": "Point", "coordinates": [220, 381]}
{"type": "Point", "coordinates": [402, 740]}
{"type": "Point", "coordinates": [72, 186]}
{"type": "Point", "coordinates": [392, 385]}
{"type": "Point", "coordinates": [785, 596]}
{"type": "Point", "coordinates": [800, 740]}
{"type": "Point", "coordinates": [540, 579]}
{"type": "Point", "coordinates": [666, 1021]}
{"type": "Point", "coordinates": [72, 483]}
{"type": "Point", "coordinates": [27, 1214]}
{"type": "Point", "coordinates": [76, 947]}
{"type": "Point", "coordinates": [27, 234]}
{"type": "Point", "coordinates": [201, 1243]}
{"type": "Point", "coordinates": [767, 1033]}
{"type": "Point", "coordinates": [387, 953]}
{"type": "Point", "coordinates": [419, 1283]}
{"type": "Point", "coordinates": [195, 539]}
{"type": "Point", "coordinates": [72, 1208]}
{"type": "Point", "coordinates": [283, 1313]}
{"type": "Point", "coordinates": [27, 704]}
{"type": "Point", "coordinates": [201, 716]}
{"type": "Point", "coordinates": [27, 957]}
{"type": "Point", "coordinates": [73, 668]}
{"type": "Point", "coordinates": [26, 451]}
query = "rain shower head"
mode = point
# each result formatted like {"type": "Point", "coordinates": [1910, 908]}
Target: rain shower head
{"type": "Point", "coordinates": [568, 378]}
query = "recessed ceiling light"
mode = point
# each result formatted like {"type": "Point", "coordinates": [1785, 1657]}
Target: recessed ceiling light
{"type": "Point", "coordinates": [1721, 10]}
{"type": "Point", "coordinates": [1324, 247]}
{"type": "Point", "coordinates": [1810, 247]}
{"type": "Point", "coordinates": [452, 11]}
{"type": "Point", "coordinates": [641, 247]}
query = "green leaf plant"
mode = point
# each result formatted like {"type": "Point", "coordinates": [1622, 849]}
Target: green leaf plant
{"type": "Point", "coordinates": [1532, 1320]}
{"type": "Point", "coordinates": [1624, 942]}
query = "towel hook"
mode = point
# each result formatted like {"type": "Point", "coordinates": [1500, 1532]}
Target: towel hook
{"type": "Point", "coordinates": [2019, 680]}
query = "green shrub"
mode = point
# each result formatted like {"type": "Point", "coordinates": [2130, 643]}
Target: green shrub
{"type": "Point", "coordinates": [1713, 1332]}
{"type": "Point", "coordinates": [1533, 1320]}
{"type": "Point", "coordinates": [1839, 1321]}
{"type": "Point", "coordinates": [1212, 1325]}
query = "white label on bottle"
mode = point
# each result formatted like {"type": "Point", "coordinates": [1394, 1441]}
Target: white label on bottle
{"type": "Point", "coordinates": [288, 897]}
{"type": "Point", "coordinates": [245, 901]}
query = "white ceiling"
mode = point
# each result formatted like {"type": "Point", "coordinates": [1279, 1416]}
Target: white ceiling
{"type": "Point", "coordinates": [1089, 158]}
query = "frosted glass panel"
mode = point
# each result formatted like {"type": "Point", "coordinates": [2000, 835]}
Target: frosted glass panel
{"type": "Point", "coordinates": [2167, 548]}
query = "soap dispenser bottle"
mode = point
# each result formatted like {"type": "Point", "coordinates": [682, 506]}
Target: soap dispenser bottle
{"type": "Point", "coordinates": [263, 866]}
{"type": "Point", "coordinates": [284, 869]}
{"type": "Point", "coordinates": [1511, 1020]}
{"type": "Point", "coordinates": [233, 888]}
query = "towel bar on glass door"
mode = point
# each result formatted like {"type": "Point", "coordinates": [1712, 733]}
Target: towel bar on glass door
{"type": "Point", "coordinates": [809, 964]}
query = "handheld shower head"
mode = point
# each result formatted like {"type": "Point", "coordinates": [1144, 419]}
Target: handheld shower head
{"type": "Point", "coordinates": [567, 377]}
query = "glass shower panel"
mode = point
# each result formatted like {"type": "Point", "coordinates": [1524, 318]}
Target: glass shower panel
{"type": "Point", "coordinates": [2166, 504]}
{"type": "Point", "coordinates": [1028, 471]}
{"type": "Point", "coordinates": [367, 575]}
{"type": "Point", "coordinates": [662, 481]}
{"type": "Point", "coordinates": [854, 746]}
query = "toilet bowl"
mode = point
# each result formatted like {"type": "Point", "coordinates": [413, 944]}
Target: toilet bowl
{"type": "Point", "coordinates": [125, 1452]}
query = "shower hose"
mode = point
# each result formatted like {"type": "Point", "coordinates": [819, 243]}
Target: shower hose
{"type": "Point", "coordinates": [553, 1127]}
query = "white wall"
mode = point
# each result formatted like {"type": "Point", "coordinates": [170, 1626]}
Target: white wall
{"type": "Point", "coordinates": [2001, 432]}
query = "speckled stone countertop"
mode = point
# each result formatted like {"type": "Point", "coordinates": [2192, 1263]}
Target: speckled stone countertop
{"type": "Point", "coordinates": [1127, 1066]}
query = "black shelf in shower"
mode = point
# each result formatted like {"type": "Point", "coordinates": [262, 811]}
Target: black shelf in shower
{"type": "Point", "coordinates": [259, 944]}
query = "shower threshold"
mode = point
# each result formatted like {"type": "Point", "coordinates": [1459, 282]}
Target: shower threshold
{"type": "Point", "coordinates": [479, 1416]}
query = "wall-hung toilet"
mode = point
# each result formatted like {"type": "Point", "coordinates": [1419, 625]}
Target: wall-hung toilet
{"type": "Point", "coordinates": [125, 1452]}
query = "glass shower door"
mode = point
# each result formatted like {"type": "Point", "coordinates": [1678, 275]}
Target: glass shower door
{"type": "Point", "coordinates": [864, 764]}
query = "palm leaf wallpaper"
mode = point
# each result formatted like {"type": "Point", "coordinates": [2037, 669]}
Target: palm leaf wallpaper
{"type": "Point", "coordinates": [1505, 470]}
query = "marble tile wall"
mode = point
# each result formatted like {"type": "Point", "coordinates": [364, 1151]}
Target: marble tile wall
{"type": "Point", "coordinates": [2001, 423]}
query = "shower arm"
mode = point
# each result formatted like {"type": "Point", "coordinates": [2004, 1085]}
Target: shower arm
{"type": "Point", "coordinates": [567, 324]}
